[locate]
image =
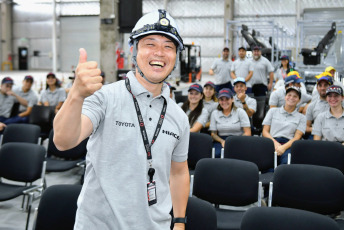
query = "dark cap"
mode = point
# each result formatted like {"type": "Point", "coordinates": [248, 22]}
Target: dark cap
{"type": "Point", "coordinates": [51, 74]}
{"type": "Point", "coordinates": [285, 57]}
{"type": "Point", "coordinates": [239, 79]}
{"type": "Point", "coordinates": [102, 74]}
{"type": "Point", "coordinates": [296, 89]}
{"type": "Point", "coordinates": [28, 78]}
{"type": "Point", "coordinates": [335, 89]}
{"type": "Point", "coordinates": [7, 80]}
{"type": "Point", "coordinates": [170, 86]}
{"type": "Point", "coordinates": [327, 79]}
{"type": "Point", "coordinates": [242, 48]}
{"type": "Point", "coordinates": [226, 92]}
{"type": "Point", "coordinates": [196, 87]}
{"type": "Point", "coordinates": [225, 49]}
{"type": "Point", "coordinates": [256, 48]}
{"type": "Point", "coordinates": [210, 83]}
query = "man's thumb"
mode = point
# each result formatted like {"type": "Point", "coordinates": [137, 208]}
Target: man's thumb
{"type": "Point", "coordinates": [83, 55]}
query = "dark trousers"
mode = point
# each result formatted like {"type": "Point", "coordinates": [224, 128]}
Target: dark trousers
{"type": "Point", "coordinates": [218, 147]}
{"type": "Point", "coordinates": [259, 90]}
{"type": "Point", "coordinates": [284, 158]}
{"type": "Point", "coordinates": [226, 85]}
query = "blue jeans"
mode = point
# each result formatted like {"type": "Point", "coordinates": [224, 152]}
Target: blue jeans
{"type": "Point", "coordinates": [218, 147]}
{"type": "Point", "coordinates": [284, 158]}
{"type": "Point", "coordinates": [225, 85]}
{"type": "Point", "coordinates": [16, 119]}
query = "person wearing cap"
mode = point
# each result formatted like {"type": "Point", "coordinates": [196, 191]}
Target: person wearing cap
{"type": "Point", "coordinates": [70, 83]}
{"type": "Point", "coordinates": [284, 69]}
{"type": "Point", "coordinates": [330, 70]}
{"type": "Point", "coordinates": [277, 98]}
{"type": "Point", "coordinates": [210, 101]}
{"type": "Point", "coordinates": [329, 125]}
{"type": "Point", "coordinates": [315, 94]}
{"type": "Point", "coordinates": [30, 98]}
{"type": "Point", "coordinates": [194, 109]}
{"type": "Point", "coordinates": [285, 125]}
{"type": "Point", "coordinates": [242, 68]}
{"type": "Point", "coordinates": [136, 163]}
{"type": "Point", "coordinates": [221, 68]}
{"type": "Point", "coordinates": [53, 95]}
{"type": "Point", "coordinates": [172, 88]}
{"type": "Point", "coordinates": [318, 106]}
{"type": "Point", "coordinates": [7, 99]}
{"type": "Point", "coordinates": [241, 99]}
{"type": "Point", "coordinates": [262, 68]}
{"type": "Point", "coordinates": [227, 120]}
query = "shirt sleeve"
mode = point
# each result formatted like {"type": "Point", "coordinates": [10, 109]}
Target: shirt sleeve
{"type": "Point", "coordinates": [213, 66]}
{"type": "Point", "coordinates": [270, 67]}
{"type": "Point", "coordinates": [33, 100]}
{"type": "Point", "coordinates": [252, 104]}
{"type": "Point", "coordinates": [180, 152]}
{"type": "Point", "coordinates": [212, 126]}
{"type": "Point", "coordinates": [233, 66]}
{"type": "Point", "coordinates": [268, 118]}
{"type": "Point", "coordinates": [94, 108]}
{"type": "Point", "coordinates": [62, 95]}
{"type": "Point", "coordinates": [251, 67]}
{"type": "Point", "coordinates": [43, 97]}
{"type": "Point", "coordinates": [302, 124]}
{"type": "Point", "coordinates": [309, 112]}
{"type": "Point", "coordinates": [317, 126]}
{"type": "Point", "coordinates": [244, 120]}
{"type": "Point", "coordinates": [203, 118]}
{"type": "Point", "coordinates": [273, 100]}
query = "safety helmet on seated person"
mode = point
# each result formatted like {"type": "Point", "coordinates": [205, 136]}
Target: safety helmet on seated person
{"type": "Point", "coordinates": [156, 22]}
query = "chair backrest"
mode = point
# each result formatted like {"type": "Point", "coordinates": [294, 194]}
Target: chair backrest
{"type": "Point", "coordinates": [200, 215]}
{"type": "Point", "coordinates": [15, 109]}
{"type": "Point", "coordinates": [309, 187]}
{"type": "Point", "coordinates": [271, 218]}
{"type": "Point", "coordinates": [27, 133]}
{"type": "Point", "coordinates": [226, 181]}
{"type": "Point", "coordinates": [57, 207]}
{"type": "Point", "coordinates": [324, 153]}
{"type": "Point", "coordinates": [259, 115]}
{"type": "Point", "coordinates": [181, 98]}
{"type": "Point", "coordinates": [200, 146]}
{"type": "Point", "coordinates": [259, 150]}
{"type": "Point", "coordinates": [21, 161]}
{"type": "Point", "coordinates": [42, 116]}
{"type": "Point", "coordinates": [77, 152]}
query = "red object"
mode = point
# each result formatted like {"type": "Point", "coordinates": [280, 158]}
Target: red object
{"type": "Point", "coordinates": [120, 58]}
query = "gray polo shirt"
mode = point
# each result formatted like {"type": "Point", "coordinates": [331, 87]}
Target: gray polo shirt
{"type": "Point", "coordinates": [222, 70]}
{"type": "Point", "coordinates": [284, 124]}
{"type": "Point", "coordinates": [277, 98]}
{"type": "Point", "coordinates": [6, 104]}
{"type": "Point", "coordinates": [210, 105]}
{"type": "Point", "coordinates": [315, 108]}
{"type": "Point", "coordinates": [329, 127]}
{"type": "Point", "coordinates": [30, 96]}
{"type": "Point", "coordinates": [58, 95]}
{"type": "Point", "coordinates": [114, 194]}
{"type": "Point", "coordinates": [251, 103]}
{"type": "Point", "coordinates": [241, 68]}
{"type": "Point", "coordinates": [231, 125]}
{"type": "Point", "coordinates": [261, 69]}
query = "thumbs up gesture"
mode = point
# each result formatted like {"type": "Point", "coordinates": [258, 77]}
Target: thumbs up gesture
{"type": "Point", "coordinates": [87, 76]}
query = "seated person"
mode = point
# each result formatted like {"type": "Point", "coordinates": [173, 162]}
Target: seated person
{"type": "Point", "coordinates": [285, 125]}
{"type": "Point", "coordinates": [329, 125]}
{"type": "Point", "coordinates": [193, 107]}
{"type": "Point", "coordinates": [241, 100]}
{"type": "Point", "coordinates": [210, 101]}
{"type": "Point", "coordinates": [227, 120]}
{"type": "Point", "coordinates": [53, 95]}
{"type": "Point", "coordinates": [277, 97]}
{"type": "Point", "coordinates": [172, 88]}
{"type": "Point", "coordinates": [318, 106]}
{"type": "Point", "coordinates": [329, 72]}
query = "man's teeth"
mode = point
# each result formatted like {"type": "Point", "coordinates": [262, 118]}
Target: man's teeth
{"type": "Point", "coordinates": [156, 63]}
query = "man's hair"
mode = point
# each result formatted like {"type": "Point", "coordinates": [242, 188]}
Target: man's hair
{"type": "Point", "coordinates": [225, 49]}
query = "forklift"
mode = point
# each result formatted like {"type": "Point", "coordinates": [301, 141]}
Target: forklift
{"type": "Point", "coordinates": [190, 64]}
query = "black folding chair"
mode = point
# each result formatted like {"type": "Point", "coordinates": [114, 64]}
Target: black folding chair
{"type": "Point", "coordinates": [24, 163]}
{"type": "Point", "coordinates": [27, 133]}
{"type": "Point", "coordinates": [272, 218]}
{"type": "Point", "coordinates": [42, 116]}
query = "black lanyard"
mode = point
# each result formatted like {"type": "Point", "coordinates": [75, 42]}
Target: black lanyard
{"type": "Point", "coordinates": [143, 129]}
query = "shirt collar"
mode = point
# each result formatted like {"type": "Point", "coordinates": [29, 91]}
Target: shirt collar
{"type": "Point", "coordinates": [137, 89]}
{"type": "Point", "coordinates": [329, 114]}
{"type": "Point", "coordinates": [282, 110]}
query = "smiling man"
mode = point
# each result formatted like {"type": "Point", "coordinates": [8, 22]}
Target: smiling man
{"type": "Point", "coordinates": [135, 172]}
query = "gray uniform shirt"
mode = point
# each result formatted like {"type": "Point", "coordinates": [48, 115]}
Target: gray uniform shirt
{"type": "Point", "coordinates": [261, 69]}
{"type": "Point", "coordinates": [241, 68]}
{"type": "Point", "coordinates": [231, 125]}
{"type": "Point", "coordinates": [251, 103]}
{"type": "Point", "coordinates": [30, 96]}
{"type": "Point", "coordinates": [59, 95]}
{"type": "Point", "coordinates": [329, 127]}
{"type": "Point", "coordinates": [202, 118]}
{"type": "Point", "coordinates": [6, 104]}
{"type": "Point", "coordinates": [277, 98]}
{"type": "Point", "coordinates": [114, 194]}
{"type": "Point", "coordinates": [284, 124]}
{"type": "Point", "coordinates": [210, 105]}
{"type": "Point", "coordinates": [222, 70]}
{"type": "Point", "coordinates": [315, 108]}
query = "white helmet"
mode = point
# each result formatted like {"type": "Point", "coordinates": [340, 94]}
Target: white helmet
{"type": "Point", "coordinates": [157, 22]}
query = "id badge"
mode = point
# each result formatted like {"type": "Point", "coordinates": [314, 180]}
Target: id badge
{"type": "Point", "coordinates": [151, 193]}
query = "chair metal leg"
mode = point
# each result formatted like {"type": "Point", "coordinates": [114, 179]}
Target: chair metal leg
{"type": "Point", "coordinates": [23, 201]}
{"type": "Point", "coordinates": [270, 194]}
{"type": "Point", "coordinates": [29, 210]}
{"type": "Point", "coordinates": [191, 185]}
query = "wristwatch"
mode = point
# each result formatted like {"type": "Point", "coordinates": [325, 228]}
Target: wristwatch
{"type": "Point", "coordinates": [243, 102]}
{"type": "Point", "coordinates": [179, 220]}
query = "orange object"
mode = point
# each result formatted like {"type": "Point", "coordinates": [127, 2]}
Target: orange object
{"type": "Point", "coordinates": [190, 77]}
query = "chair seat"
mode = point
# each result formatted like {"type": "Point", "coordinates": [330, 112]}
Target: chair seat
{"type": "Point", "coordinates": [57, 165]}
{"type": "Point", "coordinates": [10, 191]}
{"type": "Point", "coordinates": [229, 219]}
{"type": "Point", "coordinates": [266, 178]}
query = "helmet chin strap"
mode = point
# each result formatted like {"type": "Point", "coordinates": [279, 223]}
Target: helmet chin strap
{"type": "Point", "coordinates": [138, 68]}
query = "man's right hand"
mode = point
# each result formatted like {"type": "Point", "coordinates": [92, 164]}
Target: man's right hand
{"type": "Point", "coordinates": [87, 77]}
